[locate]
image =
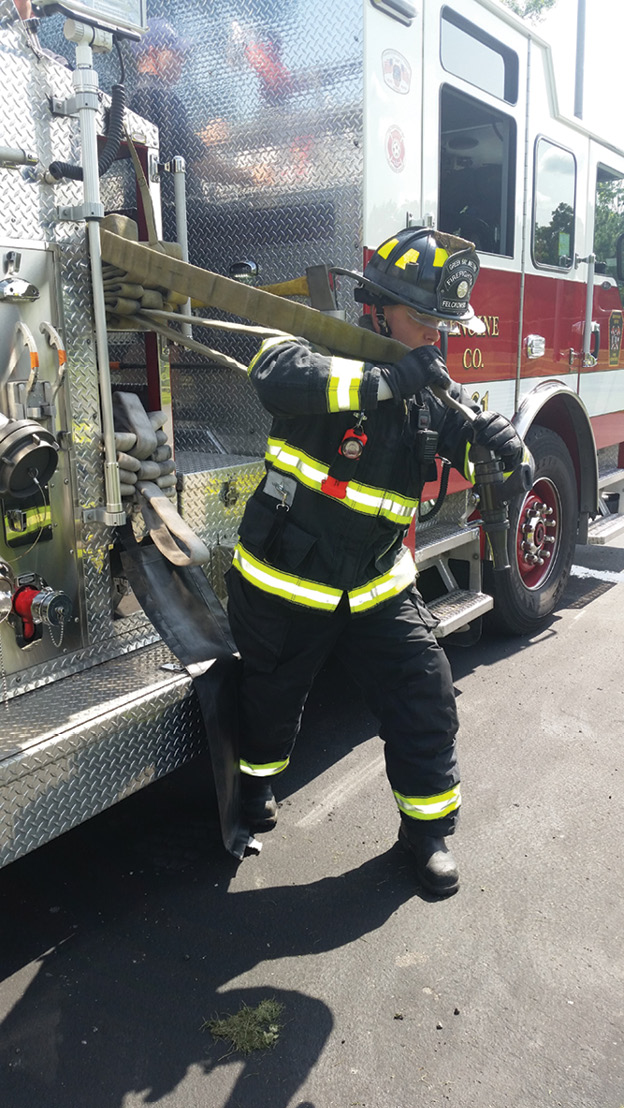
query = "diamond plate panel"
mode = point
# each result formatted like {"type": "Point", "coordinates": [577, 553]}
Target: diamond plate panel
{"type": "Point", "coordinates": [608, 459]}
{"type": "Point", "coordinates": [81, 745]}
{"type": "Point", "coordinates": [28, 203]}
{"type": "Point", "coordinates": [216, 411]}
{"type": "Point", "coordinates": [28, 213]}
{"type": "Point", "coordinates": [276, 108]}
{"type": "Point", "coordinates": [212, 501]}
{"type": "Point", "coordinates": [130, 634]}
{"type": "Point", "coordinates": [268, 113]}
{"type": "Point", "coordinates": [454, 509]}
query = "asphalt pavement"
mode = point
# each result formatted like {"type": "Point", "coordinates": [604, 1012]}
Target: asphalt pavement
{"type": "Point", "coordinates": [121, 938]}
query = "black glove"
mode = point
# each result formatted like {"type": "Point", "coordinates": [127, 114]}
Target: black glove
{"type": "Point", "coordinates": [417, 369]}
{"type": "Point", "coordinates": [496, 433]}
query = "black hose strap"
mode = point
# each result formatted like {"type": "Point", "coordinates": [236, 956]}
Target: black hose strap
{"type": "Point", "coordinates": [442, 493]}
{"type": "Point", "coordinates": [114, 135]}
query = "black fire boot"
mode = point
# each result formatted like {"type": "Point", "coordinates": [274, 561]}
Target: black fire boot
{"type": "Point", "coordinates": [258, 803]}
{"type": "Point", "coordinates": [435, 864]}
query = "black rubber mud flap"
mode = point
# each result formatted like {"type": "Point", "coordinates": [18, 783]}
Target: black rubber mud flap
{"type": "Point", "coordinates": [183, 608]}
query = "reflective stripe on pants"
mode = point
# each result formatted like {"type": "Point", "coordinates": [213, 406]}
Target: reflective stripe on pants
{"type": "Point", "coordinates": [392, 654]}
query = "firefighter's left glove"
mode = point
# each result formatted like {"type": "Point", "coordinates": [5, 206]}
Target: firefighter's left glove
{"type": "Point", "coordinates": [416, 370]}
{"type": "Point", "coordinates": [495, 432]}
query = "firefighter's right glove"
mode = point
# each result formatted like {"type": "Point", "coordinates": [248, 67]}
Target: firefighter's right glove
{"type": "Point", "coordinates": [496, 433]}
{"type": "Point", "coordinates": [416, 370]}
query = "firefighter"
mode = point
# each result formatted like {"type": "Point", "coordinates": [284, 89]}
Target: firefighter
{"type": "Point", "coordinates": [321, 569]}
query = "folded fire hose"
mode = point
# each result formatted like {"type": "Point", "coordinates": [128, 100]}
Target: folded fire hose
{"type": "Point", "coordinates": [163, 572]}
{"type": "Point", "coordinates": [150, 268]}
{"type": "Point", "coordinates": [183, 608]}
{"type": "Point", "coordinates": [148, 480]}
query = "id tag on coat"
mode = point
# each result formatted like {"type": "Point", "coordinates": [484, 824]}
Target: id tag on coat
{"type": "Point", "coordinates": [281, 487]}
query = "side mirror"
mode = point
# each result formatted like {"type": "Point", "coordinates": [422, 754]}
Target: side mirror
{"type": "Point", "coordinates": [246, 272]}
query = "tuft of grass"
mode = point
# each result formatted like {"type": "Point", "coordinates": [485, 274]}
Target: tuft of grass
{"type": "Point", "coordinates": [249, 1029]}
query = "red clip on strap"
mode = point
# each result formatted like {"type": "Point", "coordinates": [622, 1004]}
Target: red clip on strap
{"type": "Point", "coordinates": [351, 447]}
{"type": "Point", "coordinates": [331, 487]}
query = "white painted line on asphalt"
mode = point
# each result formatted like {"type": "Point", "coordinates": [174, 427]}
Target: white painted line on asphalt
{"type": "Point", "coordinates": [351, 783]}
{"type": "Point", "coordinates": [599, 574]}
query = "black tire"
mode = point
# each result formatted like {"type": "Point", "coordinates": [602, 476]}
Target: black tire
{"type": "Point", "coordinates": [526, 595]}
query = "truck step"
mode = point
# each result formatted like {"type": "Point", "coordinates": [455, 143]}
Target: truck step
{"type": "Point", "coordinates": [71, 749]}
{"type": "Point", "coordinates": [435, 541]}
{"type": "Point", "coordinates": [611, 479]}
{"type": "Point", "coordinates": [458, 608]}
{"type": "Point", "coordinates": [604, 528]}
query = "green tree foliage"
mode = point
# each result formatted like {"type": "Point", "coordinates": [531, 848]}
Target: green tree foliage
{"type": "Point", "coordinates": [530, 9]}
{"type": "Point", "coordinates": [608, 218]}
{"type": "Point", "coordinates": [552, 242]}
{"type": "Point", "coordinates": [608, 238]}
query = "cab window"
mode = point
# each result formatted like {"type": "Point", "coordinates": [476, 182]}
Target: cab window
{"type": "Point", "coordinates": [553, 238]}
{"type": "Point", "coordinates": [470, 53]}
{"type": "Point", "coordinates": [608, 232]}
{"type": "Point", "coordinates": [477, 172]}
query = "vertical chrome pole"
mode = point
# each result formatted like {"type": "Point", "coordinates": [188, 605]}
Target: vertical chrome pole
{"type": "Point", "coordinates": [590, 288]}
{"type": "Point", "coordinates": [579, 58]}
{"type": "Point", "coordinates": [85, 81]}
{"type": "Point", "coordinates": [179, 169]}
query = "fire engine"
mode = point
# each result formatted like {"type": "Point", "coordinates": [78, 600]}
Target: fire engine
{"type": "Point", "coordinates": [303, 135]}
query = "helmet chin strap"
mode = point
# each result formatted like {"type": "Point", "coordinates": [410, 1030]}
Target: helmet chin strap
{"type": "Point", "coordinates": [383, 323]}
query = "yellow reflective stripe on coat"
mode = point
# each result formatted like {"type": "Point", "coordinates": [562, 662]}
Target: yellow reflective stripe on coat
{"type": "Point", "coordinates": [429, 807]}
{"type": "Point", "coordinates": [263, 769]}
{"type": "Point", "coordinates": [268, 344]}
{"type": "Point", "coordinates": [298, 590]}
{"type": "Point", "coordinates": [527, 457]}
{"type": "Point", "coordinates": [361, 498]}
{"type": "Point", "coordinates": [469, 468]}
{"type": "Point", "coordinates": [297, 462]}
{"type": "Point", "coordinates": [344, 384]}
{"type": "Point", "coordinates": [384, 587]}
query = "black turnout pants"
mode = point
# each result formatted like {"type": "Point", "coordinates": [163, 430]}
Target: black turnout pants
{"type": "Point", "coordinates": [393, 656]}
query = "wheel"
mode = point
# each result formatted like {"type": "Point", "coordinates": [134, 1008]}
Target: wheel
{"type": "Point", "coordinates": [541, 541]}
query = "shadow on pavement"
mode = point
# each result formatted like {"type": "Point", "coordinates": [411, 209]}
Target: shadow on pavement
{"type": "Point", "coordinates": [138, 930]}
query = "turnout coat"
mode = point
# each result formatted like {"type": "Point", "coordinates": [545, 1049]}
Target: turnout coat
{"type": "Point", "coordinates": [321, 525]}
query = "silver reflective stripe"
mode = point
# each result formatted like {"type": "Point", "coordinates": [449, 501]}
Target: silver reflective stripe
{"type": "Point", "coordinates": [309, 471]}
{"type": "Point", "coordinates": [296, 589]}
{"type": "Point", "coordinates": [264, 769]}
{"type": "Point", "coordinates": [360, 498]}
{"type": "Point", "coordinates": [344, 384]}
{"type": "Point", "coordinates": [429, 807]}
{"type": "Point", "coordinates": [388, 584]}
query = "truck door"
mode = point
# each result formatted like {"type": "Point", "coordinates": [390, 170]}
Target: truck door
{"type": "Point", "coordinates": [473, 130]}
{"type": "Point", "coordinates": [601, 385]}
